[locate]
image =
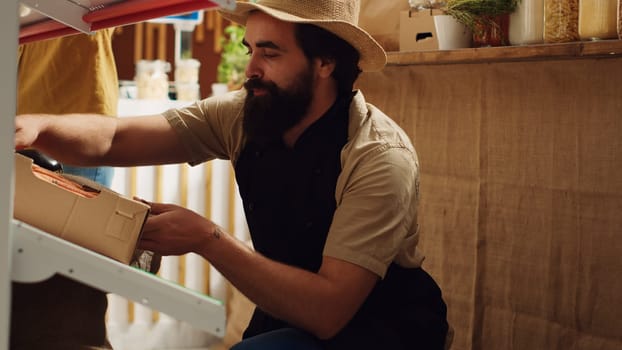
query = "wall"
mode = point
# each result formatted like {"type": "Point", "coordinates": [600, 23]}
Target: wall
{"type": "Point", "coordinates": [521, 195]}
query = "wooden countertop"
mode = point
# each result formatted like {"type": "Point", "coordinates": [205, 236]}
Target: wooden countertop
{"type": "Point", "coordinates": [573, 50]}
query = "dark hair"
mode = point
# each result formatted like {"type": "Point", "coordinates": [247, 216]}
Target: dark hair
{"type": "Point", "coordinates": [318, 42]}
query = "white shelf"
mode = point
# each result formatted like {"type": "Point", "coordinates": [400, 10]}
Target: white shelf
{"type": "Point", "coordinates": [38, 255]}
{"type": "Point", "coordinates": [62, 11]}
{"type": "Point", "coordinates": [8, 76]}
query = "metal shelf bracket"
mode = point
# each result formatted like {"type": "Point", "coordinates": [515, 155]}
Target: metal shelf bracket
{"type": "Point", "coordinates": [68, 12]}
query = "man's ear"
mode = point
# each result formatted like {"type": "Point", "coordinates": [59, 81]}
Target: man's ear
{"type": "Point", "coordinates": [325, 66]}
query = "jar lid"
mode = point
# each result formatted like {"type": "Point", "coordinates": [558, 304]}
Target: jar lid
{"type": "Point", "coordinates": [188, 63]}
{"type": "Point", "coordinates": [153, 66]}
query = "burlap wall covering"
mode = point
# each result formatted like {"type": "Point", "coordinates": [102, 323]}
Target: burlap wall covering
{"type": "Point", "coordinates": [521, 211]}
{"type": "Point", "coordinates": [381, 19]}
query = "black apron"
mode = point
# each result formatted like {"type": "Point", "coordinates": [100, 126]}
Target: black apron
{"type": "Point", "coordinates": [289, 201]}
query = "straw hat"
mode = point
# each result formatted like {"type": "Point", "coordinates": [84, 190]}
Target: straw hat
{"type": "Point", "coordinates": [339, 17]}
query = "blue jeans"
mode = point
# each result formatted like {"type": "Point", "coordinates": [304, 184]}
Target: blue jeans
{"type": "Point", "coordinates": [280, 339]}
{"type": "Point", "coordinates": [102, 175]}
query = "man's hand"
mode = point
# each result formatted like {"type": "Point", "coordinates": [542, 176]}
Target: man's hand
{"type": "Point", "coordinates": [174, 230]}
{"type": "Point", "coordinates": [27, 128]}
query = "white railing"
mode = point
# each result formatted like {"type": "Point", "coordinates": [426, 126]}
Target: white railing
{"type": "Point", "coordinates": [208, 189]}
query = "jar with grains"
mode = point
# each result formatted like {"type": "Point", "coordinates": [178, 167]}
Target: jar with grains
{"type": "Point", "coordinates": [187, 70]}
{"type": "Point", "coordinates": [598, 19]}
{"type": "Point", "coordinates": [527, 23]}
{"type": "Point", "coordinates": [561, 21]}
{"type": "Point", "coordinates": [620, 19]}
{"type": "Point", "coordinates": [151, 79]}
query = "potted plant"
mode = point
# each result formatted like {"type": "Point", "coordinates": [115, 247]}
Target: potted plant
{"type": "Point", "coordinates": [233, 58]}
{"type": "Point", "coordinates": [487, 19]}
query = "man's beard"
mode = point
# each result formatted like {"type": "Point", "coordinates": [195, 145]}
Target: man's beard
{"type": "Point", "coordinates": [267, 117]}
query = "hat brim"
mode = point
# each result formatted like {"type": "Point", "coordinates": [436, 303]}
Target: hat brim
{"type": "Point", "coordinates": [372, 55]}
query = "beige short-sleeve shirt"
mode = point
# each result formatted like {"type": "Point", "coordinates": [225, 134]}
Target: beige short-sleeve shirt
{"type": "Point", "coordinates": [375, 222]}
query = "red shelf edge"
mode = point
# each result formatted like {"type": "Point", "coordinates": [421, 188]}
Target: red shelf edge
{"type": "Point", "coordinates": [122, 9]}
{"type": "Point", "coordinates": [115, 15]}
{"type": "Point", "coordinates": [120, 18]}
{"type": "Point", "coordinates": [64, 31]}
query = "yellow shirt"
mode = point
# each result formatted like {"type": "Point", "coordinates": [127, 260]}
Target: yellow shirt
{"type": "Point", "coordinates": [71, 74]}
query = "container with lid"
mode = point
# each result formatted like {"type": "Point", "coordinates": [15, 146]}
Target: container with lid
{"type": "Point", "coordinates": [187, 79]}
{"type": "Point", "coordinates": [561, 21]}
{"type": "Point", "coordinates": [598, 19]}
{"type": "Point", "coordinates": [187, 91]}
{"type": "Point", "coordinates": [152, 79]}
{"type": "Point", "coordinates": [187, 70]}
{"type": "Point", "coordinates": [527, 23]}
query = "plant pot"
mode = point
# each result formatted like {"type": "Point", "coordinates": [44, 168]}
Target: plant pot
{"type": "Point", "coordinates": [450, 33]}
{"type": "Point", "coordinates": [492, 31]}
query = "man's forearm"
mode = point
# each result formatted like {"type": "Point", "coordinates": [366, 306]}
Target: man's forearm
{"type": "Point", "coordinates": [312, 301]}
{"type": "Point", "coordinates": [92, 140]}
{"type": "Point", "coordinates": [73, 138]}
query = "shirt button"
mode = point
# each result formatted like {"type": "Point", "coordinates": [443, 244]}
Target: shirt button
{"type": "Point", "coordinates": [309, 225]}
{"type": "Point", "coordinates": [317, 171]}
{"type": "Point", "coordinates": [257, 154]}
{"type": "Point", "coordinates": [251, 206]}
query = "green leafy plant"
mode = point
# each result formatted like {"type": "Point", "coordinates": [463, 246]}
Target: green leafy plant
{"type": "Point", "coordinates": [233, 58]}
{"type": "Point", "coordinates": [476, 13]}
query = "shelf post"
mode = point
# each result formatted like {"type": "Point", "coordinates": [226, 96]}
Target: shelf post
{"type": "Point", "coordinates": [8, 77]}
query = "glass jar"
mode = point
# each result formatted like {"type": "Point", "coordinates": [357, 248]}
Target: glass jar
{"type": "Point", "coordinates": [187, 71]}
{"type": "Point", "coordinates": [527, 23]}
{"type": "Point", "coordinates": [561, 21]}
{"type": "Point", "coordinates": [598, 19]}
{"type": "Point", "coordinates": [187, 91]}
{"type": "Point", "coordinates": [620, 19]}
{"type": "Point", "coordinates": [418, 5]}
{"type": "Point", "coordinates": [152, 79]}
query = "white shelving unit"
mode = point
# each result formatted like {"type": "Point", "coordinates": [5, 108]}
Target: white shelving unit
{"type": "Point", "coordinates": [28, 254]}
{"type": "Point", "coordinates": [8, 77]}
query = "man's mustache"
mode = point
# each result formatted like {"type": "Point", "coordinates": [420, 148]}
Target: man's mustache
{"type": "Point", "coordinates": [256, 83]}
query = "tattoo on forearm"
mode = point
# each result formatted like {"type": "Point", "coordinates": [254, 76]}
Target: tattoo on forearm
{"type": "Point", "coordinates": [217, 232]}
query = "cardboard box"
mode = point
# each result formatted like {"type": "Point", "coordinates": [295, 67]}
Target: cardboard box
{"type": "Point", "coordinates": [108, 223]}
{"type": "Point", "coordinates": [417, 31]}
{"type": "Point", "coordinates": [429, 30]}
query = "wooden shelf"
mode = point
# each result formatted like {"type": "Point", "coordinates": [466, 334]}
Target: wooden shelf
{"type": "Point", "coordinates": [583, 49]}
